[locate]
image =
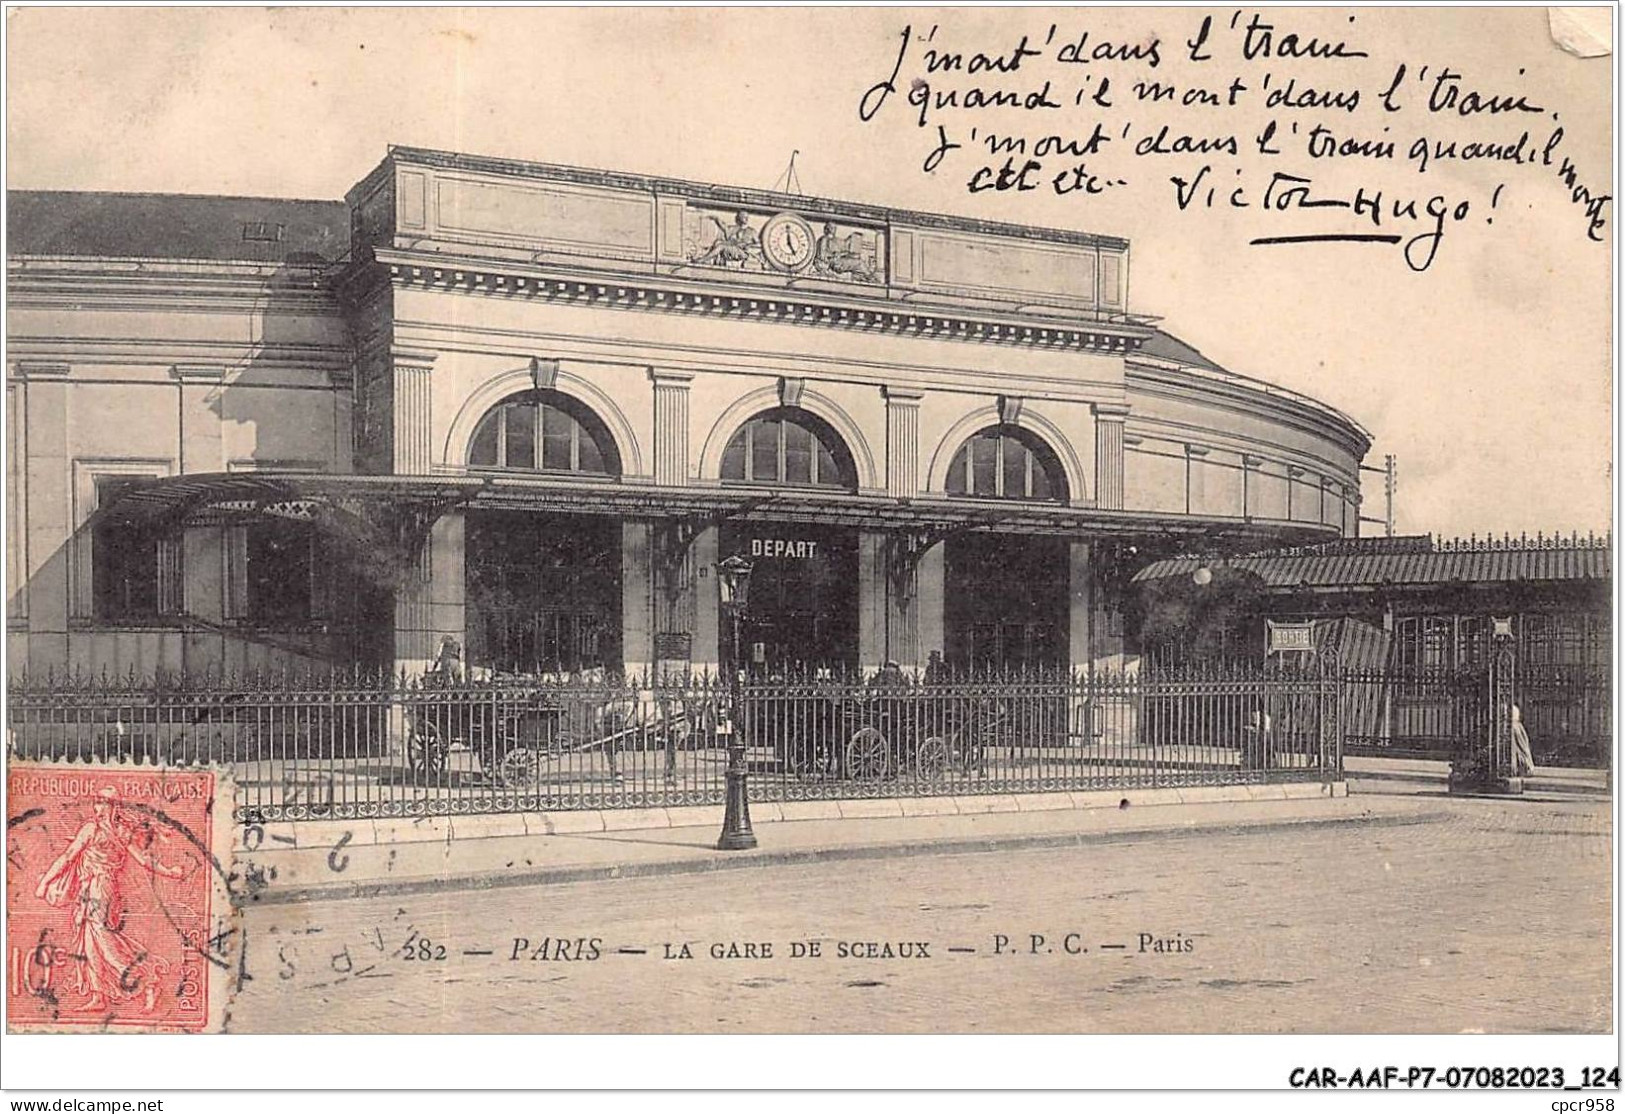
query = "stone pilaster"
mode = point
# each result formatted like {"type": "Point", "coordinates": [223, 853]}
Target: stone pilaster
{"type": "Point", "coordinates": [1082, 645]}
{"type": "Point", "coordinates": [706, 645]}
{"type": "Point", "coordinates": [1109, 420]}
{"type": "Point", "coordinates": [415, 642]}
{"type": "Point", "coordinates": [902, 442]}
{"type": "Point", "coordinates": [1080, 606]}
{"type": "Point", "coordinates": [930, 599]}
{"type": "Point", "coordinates": [671, 425]}
{"type": "Point", "coordinates": [411, 412]}
{"type": "Point", "coordinates": [1196, 479]}
{"type": "Point", "coordinates": [637, 598]}
{"type": "Point", "coordinates": [201, 446]}
{"type": "Point", "coordinates": [17, 503]}
{"type": "Point", "coordinates": [1249, 471]}
{"type": "Point", "coordinates": [873, 603]}
{"type": "Point", "coordinates": [47, 477]}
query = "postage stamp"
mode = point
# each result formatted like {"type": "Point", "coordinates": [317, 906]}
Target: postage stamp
{"type": "Point", "coordinates": [118, 907]}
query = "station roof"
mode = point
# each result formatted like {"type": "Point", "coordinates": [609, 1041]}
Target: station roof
{"type": "Point", "coordinates": [1162, 345]}
{"type": "Point", "coordinates": [176, 226]}
{"type": "Point", "coordinates": [1362, 564]}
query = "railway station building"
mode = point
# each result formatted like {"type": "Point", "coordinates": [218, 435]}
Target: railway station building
{"type": "Point", "coordinates": [531, 409]}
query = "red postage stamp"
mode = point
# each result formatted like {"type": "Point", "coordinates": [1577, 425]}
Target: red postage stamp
{"type": "Point", "coordinates": [118, 909]}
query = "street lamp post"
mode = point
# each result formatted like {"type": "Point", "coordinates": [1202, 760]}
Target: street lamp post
{"type": "Point", "coordinates": [733, 581]}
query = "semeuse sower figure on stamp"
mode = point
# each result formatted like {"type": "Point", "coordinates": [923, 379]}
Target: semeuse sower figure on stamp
{"type": "Point", "coordinates": [111, 966]}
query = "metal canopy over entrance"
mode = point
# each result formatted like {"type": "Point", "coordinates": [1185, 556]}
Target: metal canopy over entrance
{"type": "Point", "coordinates": [403, 505]}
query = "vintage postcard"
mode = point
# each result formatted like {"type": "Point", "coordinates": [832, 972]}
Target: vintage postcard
{"type": "Point", "coordinates": [815, 520]}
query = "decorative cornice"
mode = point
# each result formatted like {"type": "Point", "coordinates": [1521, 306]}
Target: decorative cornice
{"type": "Point", "coordinates": [99, 282]}
{"type": "Point", "coordinates": [634, 294]}
{"type": "Point", "coordinates": [1250, 397]}
{"type": "Point", "coordinates": [198, 373]}
{"type": "Point", "coordinates": [39, 369]}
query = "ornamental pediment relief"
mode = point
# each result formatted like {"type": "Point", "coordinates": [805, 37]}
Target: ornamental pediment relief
{"type": "Point", "coordinates": [785, 243]}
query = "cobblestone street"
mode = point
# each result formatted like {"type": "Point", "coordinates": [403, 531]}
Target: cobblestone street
{"type": "Point", "coordinates": [1494, 918]}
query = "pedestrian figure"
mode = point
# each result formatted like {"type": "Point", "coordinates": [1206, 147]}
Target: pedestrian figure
{"type": "Point", "coordinates": [1523, 757]}
{"type": "Point", "coordinates": [936, 672]}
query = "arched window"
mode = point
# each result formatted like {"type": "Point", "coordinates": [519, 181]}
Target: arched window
{"type": "Point", "coordinates": [544, 431]}
{"type": "Point", "coordinates": [789, 446]}
{"type": "Point", "coordinates": [1005, 462]}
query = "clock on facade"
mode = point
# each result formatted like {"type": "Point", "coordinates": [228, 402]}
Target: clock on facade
{"type": "Point", "coordinates": [787, 242]}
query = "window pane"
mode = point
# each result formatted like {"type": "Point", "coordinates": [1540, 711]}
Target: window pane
{"type": "Point", "coordinates": [829, 473]}
{"type": "Point", "coordinates": [483, 452]}
{"type": "Point", "coordinates": [1015, 469]}
{"type": "Point", "coordinates": [125, 573]}
{"type": "Point", "coordinates": [521, 422]}
{"type": "Point", "coordinates": [764, 455]}
{"type": "Point", "coordinates": [956, 474]}
{"type": "Point", "coordinates": [1041, 484]}
{"type": "Point", "coordinates": [557, 427]}
{"type": "Point", "coordinates": [733, 458]}
{"type": "Point", "coordinates": [124, 557]}
{"type": "Point", "coordinates": [278, 573]}
{"type": "Point", "coordinates": [591, 459]}
{"type": "Point", "coordinates": [984, 465]}
{"type": "Point", "coordinates": [798, 453]}
{"type": "Point", "coordinates": [1436, 634]}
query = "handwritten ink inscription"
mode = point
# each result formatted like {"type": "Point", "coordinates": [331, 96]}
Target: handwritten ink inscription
{"type": "Point", "coordinates": [1301, 135]}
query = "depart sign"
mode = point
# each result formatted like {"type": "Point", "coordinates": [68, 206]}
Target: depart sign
{"type": "Point", "coordinates": [795, 549]}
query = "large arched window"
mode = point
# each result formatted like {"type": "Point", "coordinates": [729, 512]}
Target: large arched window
{"type": "Point", "coordinates": [789, 446]}
{"type": "Point", "coordinates": [1006, 462]}
{"type": "Point", "coordinates": [544, 431]}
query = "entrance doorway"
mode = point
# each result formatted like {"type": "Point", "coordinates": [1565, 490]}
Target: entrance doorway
{"type": "Point", "coordinates": [802, 613]}
{"type": "Point", "coordinates": [543, 592]}
{"type": "Point", "coordinates": [1006, 605]}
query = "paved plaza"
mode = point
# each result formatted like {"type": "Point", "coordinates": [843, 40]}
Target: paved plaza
{"type": "Point", "coordinates": [1458, 915]}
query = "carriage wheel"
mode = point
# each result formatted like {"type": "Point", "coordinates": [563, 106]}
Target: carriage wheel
{"type": "Point", "coordinates": [519, 768]}
{"type": "Point", "coordinates": [426, 754]}
{"type": "Point", "coordinates": [867, 756]}
{"type": "Point", "coordinates": [931, 760]}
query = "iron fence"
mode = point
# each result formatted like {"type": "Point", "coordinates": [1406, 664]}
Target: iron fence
{"type": "Point", "coordinates": [354, 746]}
{"type": "Point", "coordinates": [1432, 713]}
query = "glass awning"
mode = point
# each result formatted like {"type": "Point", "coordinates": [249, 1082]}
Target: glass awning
{"type": "Point", "coordinates": [401, 501]}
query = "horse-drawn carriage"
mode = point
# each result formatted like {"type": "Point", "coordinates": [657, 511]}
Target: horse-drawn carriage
{"type": "Point", "coordinates": [886, 730]}
{"type": "Point", "coordinates": [516, 727]}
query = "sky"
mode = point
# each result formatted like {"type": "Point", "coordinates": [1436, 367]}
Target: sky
{"type": "Point", "coordinates": [1488, 374]}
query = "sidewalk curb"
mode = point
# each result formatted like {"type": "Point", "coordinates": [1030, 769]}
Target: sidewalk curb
{"type": "Point", "coordinates": [556, 876]}
{"type": "Point", "coordinates": [441, 827]}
